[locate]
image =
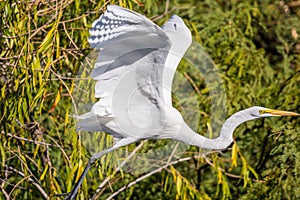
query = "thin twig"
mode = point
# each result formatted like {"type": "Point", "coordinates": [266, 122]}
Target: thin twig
{"type": "Point", "coordinates": [100, 187]}
{"type": "Point", "coordinates": [28, 140]}
{"type": "Point", "coordinates": [70, 38]}
{"type": "Point", "coordinates": [173, 152]}
{"type": "Point", "coordinates": [67, 88]}
{"type": "Point", "coordinates": [146, 176]}
{"type": "Point", "coordinates": [193, 83]}
{"type": "Point", "coordinates": [81, 16]}
{"type": "Point", "coordinates": [167, 6]}
{"type": "Point", "coordinates": [39, 143]}
{"type": "Point", "coordinates": [167, 165]}
{"type": "Point", "coordinates": [3, 183]}
{"type": "Point", "coordinates": [228, 174]}
{"type": "Point", "coordinates": [36, 184]}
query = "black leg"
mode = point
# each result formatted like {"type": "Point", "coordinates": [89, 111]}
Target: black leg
{"type": "Point", "coordinates": [92, 160]}
{"type": "Point", "coordinates": [73, 193]}
{"type": "Point", "coordinates": [120, 143]}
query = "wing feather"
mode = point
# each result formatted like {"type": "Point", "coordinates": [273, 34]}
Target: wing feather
{"type": "Point", "coordinates": [128, 71]}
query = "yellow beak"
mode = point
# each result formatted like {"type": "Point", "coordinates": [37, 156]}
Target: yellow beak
{"type": "Point", "coordinates": [281, 113]}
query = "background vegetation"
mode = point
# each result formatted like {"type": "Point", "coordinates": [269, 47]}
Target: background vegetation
{"type": "Point", "coordinates": [256, 47]}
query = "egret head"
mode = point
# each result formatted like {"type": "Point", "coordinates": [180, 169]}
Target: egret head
{"type": "Point", "coordinates": [176, 24]}
{"type": "Point", "coordinates": [178, 33]}
{"type": "Point", "coordinates": [258, 112]}
{"type": "Point", "coordinates": [242, 116]}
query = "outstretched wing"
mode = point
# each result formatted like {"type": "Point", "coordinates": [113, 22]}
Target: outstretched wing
{"type": "Point", "coordinates": [119, 31]}
{"type": "Point", "coordinates": [128, 72]}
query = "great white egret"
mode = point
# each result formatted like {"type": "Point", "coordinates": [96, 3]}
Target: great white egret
{"type": "Point", "coordinates": [134, 74]}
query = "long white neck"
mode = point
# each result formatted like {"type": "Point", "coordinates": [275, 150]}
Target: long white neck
{"type": "Point", "coordinates": [171, 64]}
{"type": "Point", "coordinates": [180, 43]}
{"type": "Point", "coordinates": [187, 135]}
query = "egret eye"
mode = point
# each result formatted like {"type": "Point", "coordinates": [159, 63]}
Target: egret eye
{"type": "Point", "coordinates": [263, 111]}
{"type": "Point", "coordinates": [175, 27]}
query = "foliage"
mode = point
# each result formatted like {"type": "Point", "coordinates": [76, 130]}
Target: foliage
{"type": "Point", "coordinates": [256, 47]}
{"type": "Point", "coordinates": [281, 179]}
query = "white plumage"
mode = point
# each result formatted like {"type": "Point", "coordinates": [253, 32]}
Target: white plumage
{"type": "Point", "coordinates": [134, 74]}
{"type": "Point", "coordinates": [133, 80]}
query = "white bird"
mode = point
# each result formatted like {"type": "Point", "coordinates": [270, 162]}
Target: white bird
{"type": "Point", "coordinates": [134, 74]}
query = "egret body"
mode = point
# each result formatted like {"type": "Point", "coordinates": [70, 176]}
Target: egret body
{"type": "Point", "coordinates": [134, 74]}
